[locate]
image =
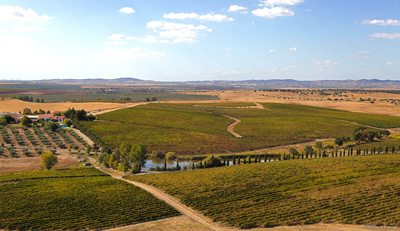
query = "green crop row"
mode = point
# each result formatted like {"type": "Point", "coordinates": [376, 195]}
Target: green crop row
{"type": "Point", "coordinates": [349, 190]}
{"type": "Point", "coordinates": [375, 120]}
{"type": "Point", "coordinates": [75, 200]}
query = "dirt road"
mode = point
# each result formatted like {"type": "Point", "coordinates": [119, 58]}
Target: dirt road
{"type": "Point", "coordinates": [172, 201]}
{"type": "Point", "coordinates": [232, 125]}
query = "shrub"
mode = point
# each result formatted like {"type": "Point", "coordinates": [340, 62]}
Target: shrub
{"type": "Point", "coordinates": [171, 156]}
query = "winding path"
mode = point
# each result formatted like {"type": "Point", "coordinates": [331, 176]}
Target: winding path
{"type": "Point", "coordinates": [172, 201]}
{"type": "Point", "coordinates": [230, 127]}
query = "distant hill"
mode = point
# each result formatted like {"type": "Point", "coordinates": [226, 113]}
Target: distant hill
{"type": "Point", "coordinates": [228, 85]}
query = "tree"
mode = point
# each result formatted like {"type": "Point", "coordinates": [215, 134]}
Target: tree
{"type": "Point", "coordinates": [27, 111]}
{"type": "Point", "coordinates": [113, 161]}
{"type": "Point", "coordinates": [308, 150]}
{"type": "Point", "coordinates": [8, 118]}
{"type": "Point", "coordinates": [3, 121]}
{"type": "Point", "coordinates": [318, 145]}
{"type": "Point", "coordinates": [52, 126]}
{"type": "Point", "coordinates": [88, 149]}
{"type": "Point", "coordinates": [48, 160]}
{"type": "Point", "coordinates": [26, 121]}
{"type": "Point", "coordinates": [293, 152]}
{"type": "Point", "coordinates": [68, 122]}
{"type": "Point", "coordinates": [69, 149]}
{"type": "Point", "coordinates": [138, 156]}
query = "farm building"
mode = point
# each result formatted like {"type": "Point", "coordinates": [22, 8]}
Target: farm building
{"type": "Point", "coordinates": [46, 117]}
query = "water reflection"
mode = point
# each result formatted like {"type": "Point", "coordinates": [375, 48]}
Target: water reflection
{"type": "Point", "coordinates": [155, 162]}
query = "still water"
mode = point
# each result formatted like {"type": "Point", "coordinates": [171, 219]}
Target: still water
{"type": "Point", "coordinates": [153, 163]}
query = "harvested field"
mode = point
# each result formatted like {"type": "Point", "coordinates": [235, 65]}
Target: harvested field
{"type": "Point", "coordinates": [13, 105]}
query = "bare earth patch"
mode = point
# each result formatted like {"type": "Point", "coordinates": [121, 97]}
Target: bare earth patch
{"type": "Point", "coordinates": [168, 224]}
{"type": "Point", "coordinates": [9, 164]}
{"type": "Point", "coordinates": [13, 105]}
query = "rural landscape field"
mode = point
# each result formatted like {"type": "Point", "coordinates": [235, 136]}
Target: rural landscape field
{"type": "Point", "coordinates": [256, 115]}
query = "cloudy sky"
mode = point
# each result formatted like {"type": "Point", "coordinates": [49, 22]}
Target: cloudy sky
{"type": "Point", "coordinates": [200, 40]}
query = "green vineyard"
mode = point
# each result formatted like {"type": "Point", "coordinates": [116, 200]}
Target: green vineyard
{"type": "Point", "coordinates": [348, 190]}
{"type": "Point", "coordinates": [74, 199]}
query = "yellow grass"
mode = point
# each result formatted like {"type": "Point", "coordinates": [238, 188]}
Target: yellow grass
{"type": "Point", "coordinates": [13, 105]}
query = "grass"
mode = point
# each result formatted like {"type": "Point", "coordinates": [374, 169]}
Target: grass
{"type": "Point", "coordinates": [74, 199]}
{"type": "Point", "coordinates": [380, 121]}
{"type": "Point", "coordinates": [350, 190]}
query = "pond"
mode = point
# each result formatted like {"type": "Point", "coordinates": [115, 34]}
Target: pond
{"type": "Point", "coordinates": [153, 163]}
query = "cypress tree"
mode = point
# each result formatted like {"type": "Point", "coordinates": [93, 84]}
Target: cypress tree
{"type": "Point", "coordinates": [201, 164]}
{"type": "Point", "coordinates": [244, 160]}
{"type": "Point", "coordinates": [227, 162]}
{"type": "Point", "coordinates": [306, 155]}
{"type": "Point", "coordinates": [192, 166]}
{"type": "Point", "coordinates": [393, 149]}
{"type": "Point", "coordinates": [302, 155]}
{"type": "Point", "coordinates": [255, 159]}
{"type": "Point", "coordinates": [351, 149]}
{"type": "Point", "coordinates": [239, 160]}
{"type": "Point", "coordinates": [265, 158]}
{"type": "Point", "coordinates": [177, 166]}
{"type": "Point", "coordinates": [279, 157]}
{"type": "Point", "coordinates": [165, 164]}
{"type": "Point", "coordinates": [234, 159]}
{"type": "Point", "coordinates": [340, 152]}
{"type": "Point", "coordinates": [224, 163]}
{"type": "Point", "coordinates": [269, 157]}
{"type": "Point", "coordinates": [387, 149]}
{"type": "Point", "coordinates": [336, 152]}
{"type": "Point", "coordinates": [205, 164]}
{"type": "Point", "coordinates": [249, 159]}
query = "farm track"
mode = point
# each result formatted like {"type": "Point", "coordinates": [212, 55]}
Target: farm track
{"type": "Point", "coordinates": [102, 111]}
{"type": "Point", "coordinates": [172, 201]}
{"type": "Point", "coordinates": [232, 125]}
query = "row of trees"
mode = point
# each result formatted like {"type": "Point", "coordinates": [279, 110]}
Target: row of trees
{"type": "Point", "coordinates": [77, 114]}
{"type": "Point", "coordinates": [126, 158]}
{"type": "Point", "coordinates": [362, 134]}
{"type": "Point", "coordinates": [28, 99]}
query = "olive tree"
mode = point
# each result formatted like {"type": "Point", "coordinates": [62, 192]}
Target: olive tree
{"type": "Point", "coordinates": [48, 160]}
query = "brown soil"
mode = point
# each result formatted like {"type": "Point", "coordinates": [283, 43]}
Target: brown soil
{"type": "Point", "coordinates": [168, 224]}
{"type": "Point", "coordinates": [13, 105]}
{"type": "Point", "coordinates": [8, 164]}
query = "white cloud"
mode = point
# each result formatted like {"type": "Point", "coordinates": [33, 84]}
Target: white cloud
{"type": "Point", "coordinates": [389, 22]}
{"type": "Point", "coordinates": [123, 55]}
{"type": "Point", "coordinates": [235, 8]}
{"type": "Point", "coordinates": [385, 35]}
{"type": "Point", "coordinates": [390, 63]}
{"type": "Point", "coordinates": [272, 12]}
{"type": "Point", "coordinates": [206, 17]}
{"type": "Point", "coordinates": [119, 39]}
{"type": "Point", "coordinates": [289, 68]}
{"type": "Point", "coordinates": [272, 51]}
{"type": "Point", "coordinates": [116, 42]}
{"type": "Point", "coordinates": [280, 2]}
{"type": "Point", "coordinates": [177, 32]}
{"type": "Point", "coordinates": [327, 63]}
{"type": "Point", "coordinates": [127, 10]}
{"type": "Point", "coordinates": [18, 14]}
{"type": "Point", "coordinates": [293, 49]}
{"type": "Point", "coordinates": [22, 28]}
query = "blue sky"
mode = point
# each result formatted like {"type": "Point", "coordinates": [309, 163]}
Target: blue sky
{"type": "Point", "coordinates": [180, 40]}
